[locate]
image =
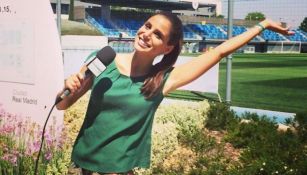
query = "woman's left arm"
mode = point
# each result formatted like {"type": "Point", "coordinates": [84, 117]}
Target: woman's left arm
{"type": "Point", "coordinates": [186, 73]}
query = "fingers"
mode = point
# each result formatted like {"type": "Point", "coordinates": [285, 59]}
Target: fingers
{"type": "Point", "coordinates": [285, 31]}
{"type": "Point", "coordinates": [277, 27]}
{"type": "Point", "coordinates": [290, 33]}
{"type": "Point", "coordinates": [74, 82]}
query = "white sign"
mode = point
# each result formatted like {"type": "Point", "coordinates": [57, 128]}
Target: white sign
{"type": "Point", "coordinates": [31, 69]}
{"type": "Point", "coordinates": [208, 82]}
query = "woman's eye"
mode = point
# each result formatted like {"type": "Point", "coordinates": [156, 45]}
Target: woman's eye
{"type": "Point", "coordinates": [158, 35]}
{"type": "Point", "coordinates": [147, 26]}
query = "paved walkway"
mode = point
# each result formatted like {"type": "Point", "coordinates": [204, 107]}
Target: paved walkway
{"type": "Point", "coordinates": [280, 116]}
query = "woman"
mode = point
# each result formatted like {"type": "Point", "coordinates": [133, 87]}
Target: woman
{"type": "Point", "coordinates": [116, 134]}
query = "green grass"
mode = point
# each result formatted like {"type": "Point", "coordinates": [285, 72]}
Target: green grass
{"type": "Point", "coordinates": [77, 28]}
{"type": "Point", "coordinates": [263, 81]}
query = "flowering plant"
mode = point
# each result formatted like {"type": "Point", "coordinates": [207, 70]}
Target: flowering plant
{"type": "Point", "coordinates": [19, 145]}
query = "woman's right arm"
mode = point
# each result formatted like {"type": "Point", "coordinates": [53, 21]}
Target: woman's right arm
{"type": "Point", "coordinates": [78, 86]}
{"type": "Point", "coordinates": [188, 72]}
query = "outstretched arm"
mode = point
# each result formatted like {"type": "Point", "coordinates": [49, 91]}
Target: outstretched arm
{"type": "Point", "coordinates": [186, 73]}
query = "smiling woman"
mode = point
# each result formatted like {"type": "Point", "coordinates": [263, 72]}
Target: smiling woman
{"type": "Point", "coordinates": [116, 134]}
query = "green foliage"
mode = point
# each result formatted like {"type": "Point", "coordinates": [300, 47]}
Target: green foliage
{"type": "Point", "coordinates": [197, 140]}
{"type": "Point", "coordinates": [303, 25]}
{"type": "Point", "coordinates": [210, 158]}
{"type": "Point", "coordinates": [220, 16]}
{"type": "Point", "coordinates": [209, 155]}
{"type": "Point", "coordinates": [169, 156]}
{"type": "Point", "coordinates": [219, 116]}
{"type": "Point", "coordinates": [300, 124]}
{"type": "Point", "coordinates": [255, 16]}
{"type": "Point", "coordinates": [267, 150]}
{"type": "Point", "coordinates": [254, 129]}
{"type": "Point", "coordinates": [181, 144]}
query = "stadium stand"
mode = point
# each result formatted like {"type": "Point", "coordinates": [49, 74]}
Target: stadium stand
{"type": "Point", "coordinates": [237, 30]}
{"type": "Point", "coordinates": [272, 36]}
{"type": "Point", "coordinates": [298, 36]}
{"type": "Point", "coordinates": [189, 34]}
{"type": "Point", "coordinates": [209, 31]}
{"type": "Point", "coordinates": [114, 27]}
{"type": "Point", "coordinates": [121, 28]}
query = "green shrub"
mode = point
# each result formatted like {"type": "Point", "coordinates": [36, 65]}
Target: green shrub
{"type": "Point", "coordinates": [210, 158]}
{"type": "Point", "coordinates": [241, 135]}
{"type": "Point", "coordinates": [219, 116]}
{"type": "Point", "coordinates": [181, 144]}
{"type": "Point", "coordinates": [197, 140]}
{"type": "Point", "coordinates": [169, 156]}
{"type": "Point", "coordinates": [266, 150]}
{"type": "Point", "coordinates": [301, 125]}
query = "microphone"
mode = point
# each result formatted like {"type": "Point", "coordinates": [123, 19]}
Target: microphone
{"type": "Point", "coordinates": [94, 66]}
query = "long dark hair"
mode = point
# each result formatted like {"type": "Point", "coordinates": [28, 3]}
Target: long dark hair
{"type": "Point", "coordinates": [153, 84]}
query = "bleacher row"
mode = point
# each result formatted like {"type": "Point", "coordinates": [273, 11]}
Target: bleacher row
{"type": "Point", "coordinates": [127, 29]}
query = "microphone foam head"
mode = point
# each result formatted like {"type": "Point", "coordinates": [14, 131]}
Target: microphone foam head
{"type": "Point", "coordinates": [106, 55]}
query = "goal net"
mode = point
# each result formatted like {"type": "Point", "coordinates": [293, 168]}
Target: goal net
{"type": "Point", "coordinates": [285, 47]}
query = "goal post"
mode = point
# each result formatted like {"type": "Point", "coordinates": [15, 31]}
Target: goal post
{"type": "Point", "coordinates": [285, 47]}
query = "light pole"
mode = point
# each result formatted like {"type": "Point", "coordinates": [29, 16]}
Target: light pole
{"type": "Point", "coordinates": [229, 57]}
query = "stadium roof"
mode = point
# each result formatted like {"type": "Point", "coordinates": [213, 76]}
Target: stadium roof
{"type": "Point", "coordinates": [150, 4]}
{"type": "Point", "coordinates": [77, 3]}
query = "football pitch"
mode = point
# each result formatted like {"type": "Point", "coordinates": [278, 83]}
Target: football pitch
{"type": "Point", "coordinates": [263, 81]}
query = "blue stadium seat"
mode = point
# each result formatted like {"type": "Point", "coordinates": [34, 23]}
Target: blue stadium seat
{"type": "Point", "coordinates": [237, 30]}
{"type": "Point", "coordinates": [209, 31]}
{"type": "Point", "coordinates": [298, 36]}
{"type": "Point", "coordinates": [271, 36]}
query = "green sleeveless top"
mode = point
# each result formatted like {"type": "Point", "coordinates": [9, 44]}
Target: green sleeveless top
{"type": "Point", "coordinates": [116, 133]}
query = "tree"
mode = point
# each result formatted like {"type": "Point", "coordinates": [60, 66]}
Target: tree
{"type": "Point", "coordinates": [255, 16]}
{"type": "Point", "coordinates": [303, 25]}
{"type": "Point", "coordinates": [220, 16]}
{"type": "Point", "coordinates": [71, 10]}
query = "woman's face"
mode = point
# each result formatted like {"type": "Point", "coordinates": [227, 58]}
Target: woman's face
{"type": "Point", "coordinates": [153, 36]}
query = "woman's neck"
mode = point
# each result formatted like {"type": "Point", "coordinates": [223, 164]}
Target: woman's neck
{"type": "Point", "coordinates": [140, 64]}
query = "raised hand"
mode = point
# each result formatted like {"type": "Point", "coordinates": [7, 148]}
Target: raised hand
{"type": "Point", "coordinates": [276, 27]}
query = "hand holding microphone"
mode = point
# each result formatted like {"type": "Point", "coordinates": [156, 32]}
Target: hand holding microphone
{"type": "Point", "coordinates": [92, 67]}
{"type": "Point", "coordinates": [75, 81]}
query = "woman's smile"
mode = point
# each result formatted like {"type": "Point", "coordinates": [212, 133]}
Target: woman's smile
{"type": "Point", "coordinates": [143, 43]}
